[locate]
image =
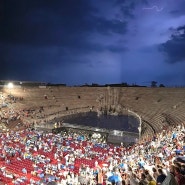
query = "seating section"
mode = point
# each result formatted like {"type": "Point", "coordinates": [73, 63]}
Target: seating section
{"type": "Point", "coordinates": [157, 106]}
{"type": "Point", "coordinates": [35, 157]}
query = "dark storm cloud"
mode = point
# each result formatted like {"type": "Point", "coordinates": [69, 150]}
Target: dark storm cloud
{"type": "Point", "coordinates": [116, 48]}
{"type": "Point", "coordinates": [179, 9]}
{"type": "Point", "coordinates": [39, 35]}
{"type": "Point", "coordinates": [44, 22]}
{"type": "Point", "coordinates": [108, 27]}
{"type": "Point", "coordinates": [63, 40]}
{"type": "Point", "coordinates": [174, 48]}
{"type": "Point", "coordinates": [62, 23]}
{"type": "Point", "coordinates": [24, 62]}
{"type": "Point", "coordinates": [127, 7]}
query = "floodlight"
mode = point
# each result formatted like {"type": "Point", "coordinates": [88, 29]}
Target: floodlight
{"type": "Point", "coordinates": [10, 85]}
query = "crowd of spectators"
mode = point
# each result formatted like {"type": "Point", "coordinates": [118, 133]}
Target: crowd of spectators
{"type": "Point", "coordinates": [35, 157]}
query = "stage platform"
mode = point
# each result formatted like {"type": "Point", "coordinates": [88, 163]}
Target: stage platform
{"type": "Point", "coordinates": [112, 136]}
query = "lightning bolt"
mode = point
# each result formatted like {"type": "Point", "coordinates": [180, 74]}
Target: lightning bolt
{"type": "Point", "coordinates": [154, 7]}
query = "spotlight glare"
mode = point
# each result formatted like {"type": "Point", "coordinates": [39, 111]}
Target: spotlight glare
{"type": "Point", "coordinates": [10, 85]}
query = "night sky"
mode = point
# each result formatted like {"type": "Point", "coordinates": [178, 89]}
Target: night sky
{"type": "Point", "coordinates": [93, 41]}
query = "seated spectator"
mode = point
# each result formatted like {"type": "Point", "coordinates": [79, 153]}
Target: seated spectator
{"type": "Point", "coordinates": [151, 180]}
{"type": "Point", "coordinates": [134, 180]}
{"type": "Point", "coordinates": [179, 177]}
{"type": "Point", "coordinates": [161, 176]}
{"type": "Point", "coordinates": [170, 179]}
{"type": "Point", "coordinates": [143, 180]}
{"type": "Point", "coordinates": [155, 173]}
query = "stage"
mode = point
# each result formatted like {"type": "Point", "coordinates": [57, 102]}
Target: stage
{"type": "Point", "coordinates": [111, 136]}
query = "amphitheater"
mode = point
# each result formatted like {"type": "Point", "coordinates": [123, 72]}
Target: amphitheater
{"type": "Point", "coordinates": [155, 108]}
{"type": "Point", "coordinates": [31, 154]}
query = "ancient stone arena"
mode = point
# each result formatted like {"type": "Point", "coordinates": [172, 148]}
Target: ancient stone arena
{"type": "Point", "coordinates": [37, 146]}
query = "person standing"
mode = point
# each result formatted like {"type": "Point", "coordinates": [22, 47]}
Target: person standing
{"type": "Point", "coordinates": [100, 177]}
{"type": "Point", "coordinates": [179, 177]}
